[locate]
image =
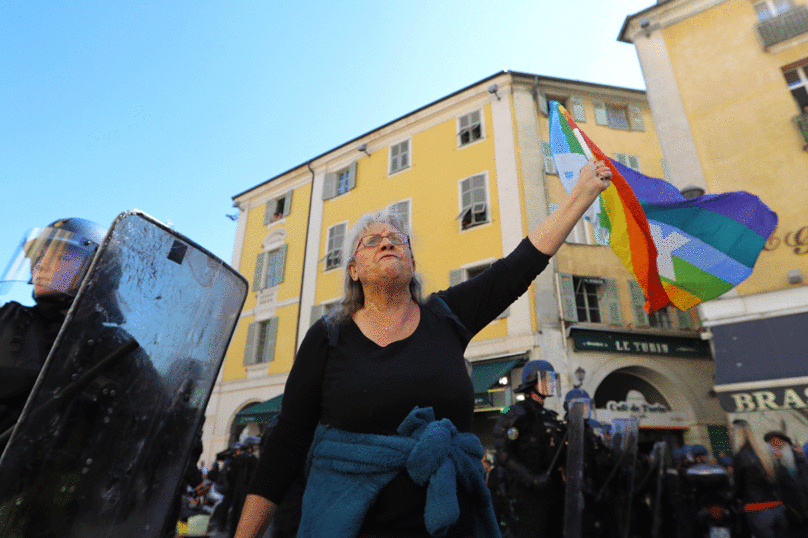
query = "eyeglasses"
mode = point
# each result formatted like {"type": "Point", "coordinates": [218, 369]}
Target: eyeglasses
{"type": "Point", "coordinates": [375, 240]}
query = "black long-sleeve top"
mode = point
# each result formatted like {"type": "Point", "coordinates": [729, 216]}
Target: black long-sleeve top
{"type": "Point", "coordinates": [359, 386]}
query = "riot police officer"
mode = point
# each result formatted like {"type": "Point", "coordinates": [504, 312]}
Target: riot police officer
{"type": "Point", "coordinates": [530, 440]}
{"type": "Point", "coordinates": [52, 262]}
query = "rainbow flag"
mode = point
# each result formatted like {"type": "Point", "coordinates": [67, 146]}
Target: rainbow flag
{"type": "Point", "coordinates": [681, 251]}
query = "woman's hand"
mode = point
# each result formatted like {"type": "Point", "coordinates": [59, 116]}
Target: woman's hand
{"type": "Point", "coordinates": [594, 178]}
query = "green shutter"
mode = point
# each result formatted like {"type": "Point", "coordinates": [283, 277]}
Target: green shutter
{"type": "Point", "coordinates": [329, 185]}
{"type": "Point", "coordinates": [610, 307]}
{"type": "Point", "coordinates": [634, 162]}
{"type": "Point", "coordinates": [578, 109]}
{"type": "Point", "coordinates": [281, 263]}
{"type": "Point", "coordinates": [287, 203]}
{"type": "Point", "coordinates": [665, 171]}
{"type": "Point", "coordinates": [638, 304]}
{"type": "Point", "coordinates": [249, 355]}
{"type": "Point", "coordinates": [549, 163]}
{"type": "Point", "coordinates": [456, 277]}
{"type": "Point", "coordinates": [635, 118]}
{"type": "Point", "coordinates": [352, 175]}
{"type": "Point", "coordinates": [317, 311]}
{"type": "Point", "coordinates": [269, 208]}
{"type": "Point", "coordinates": [259, 268]}
{"type": "Point", "coordinates": [541, 99]}
{"type": "Point", "coordinates": [568, 297]}
{"type": "Point", "coordinates": [683, 319]}
{"type": "Point", "coordinates": [270, 338]}
{"type": "Point", "coordinates": [601, 118]}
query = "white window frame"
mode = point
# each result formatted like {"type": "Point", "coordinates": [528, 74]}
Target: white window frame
{"type": "Point", "coordinates": [475, 206]}
{"type": "Point", "coordinates": [629, 160]}
{"type": "Point", "coordinates": [802, 73]}
{"type": "Point", "coordinates": [263, 264]}
{"type": "Point", "coordinates": [339, 182]}
{"type": "Point", "coordinates": [408, 202]}
{"type": "Point", "coordinates": [271, 213]}
{"type": "Point", "coordinates": [396, 159]}
{"type": "Point", "coordinates": [469, 118]}
{"type": "Point", "coordinates": [330, 247]}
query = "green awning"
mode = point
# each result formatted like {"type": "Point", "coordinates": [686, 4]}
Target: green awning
{"type": "Point", "coordinates": [485, 375]}
{"type": "Point", "coordinates": [262, 412]}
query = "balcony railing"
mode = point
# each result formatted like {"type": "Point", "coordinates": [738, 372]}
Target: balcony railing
{"type": "Point", "coordinates": [790, 24]}
{"type": "Point", "coordinates": [801, 122]}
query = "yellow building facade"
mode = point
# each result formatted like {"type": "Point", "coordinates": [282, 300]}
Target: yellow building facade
{"type": "Point", "coordinates": [471, 175]}
{"type": "Point", "coordinates": [726, 82]}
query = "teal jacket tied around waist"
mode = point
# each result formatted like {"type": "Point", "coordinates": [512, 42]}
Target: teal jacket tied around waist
{"type": "Point", "coordinates": [346, 471]}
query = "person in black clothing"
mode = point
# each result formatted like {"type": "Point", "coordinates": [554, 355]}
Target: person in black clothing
{"type": "Point", "coordinates": [240, 472]}
{"type": "Point", "coordinates": [792, 478]}
{"type": "Point", "coordinates": [529, 440]}
{"type": "Point", "coordinates": [387, 370]}
{"type": "Point", "coordinates": [52, 262]}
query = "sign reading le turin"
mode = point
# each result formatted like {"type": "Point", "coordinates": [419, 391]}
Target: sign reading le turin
{"type": "Point", "coordinates": [746, 401]}
{"type": "Point", "coordinates": [637, 344]}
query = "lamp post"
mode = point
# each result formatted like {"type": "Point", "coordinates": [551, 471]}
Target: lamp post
{"type": "Point", "coordinates": [580, 374]}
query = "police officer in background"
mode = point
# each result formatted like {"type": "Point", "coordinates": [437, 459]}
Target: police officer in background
{"type": "Point", "coordinates": [529, 440]}
{"type": "Point", "coordinates": [53, 261]}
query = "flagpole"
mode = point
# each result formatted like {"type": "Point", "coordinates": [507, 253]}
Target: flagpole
{"type": "Point", "coordinates": [584, 145]}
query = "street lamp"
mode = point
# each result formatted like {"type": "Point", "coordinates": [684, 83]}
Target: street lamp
{"type": "Point", "coordinates": [580, 374]}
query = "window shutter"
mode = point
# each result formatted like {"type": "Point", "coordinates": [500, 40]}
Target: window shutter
{"type": "Point", "coordinates": [456, 277]}
{"type": "Point", "coordinates": [549, 163]}
{"type": "Point", "coordinates": [281, 263]}
{"type": "Point", "coordinates": [249, 355]}
{"type": "Point", "coordinates": [568, 297]}
{"type": "Point", "coordinates": [259, 270]}
{"type": "Point", "coordinates": [287, 203]}
{"type": "Point", "coordinates": [634, 162]}
{"type": "Point", "coordinates": [541, 99]}
{"type": "Point", "coordinates": [329, 185]}
{"type": "Point", "coordinates": [601, 118]}
{"type": "Point", "coordinates": [683, 319]}
{"type": "Point", "coordinates": [578, 109]}
{"type": "Point", "coordinates": [638, 304]}
{"type": "Point", "coordinates": [622, 158]}
{"type": "Point", "coordinates": [635, 118]}
{"type": "Point", "coordinates": [269, 209]}
{"type": "Point", "coordinates": [610, 307]}
{"type": "Point", "coordinates": [317, 311]}
{"type": "Point", "coordinates": [271, 328]}
{"type": "Point", "coordinates": [665, 171]}
{"type": "Point", "coordinates": [352, 175]}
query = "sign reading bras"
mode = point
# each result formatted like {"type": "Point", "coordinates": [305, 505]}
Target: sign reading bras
{"type": "Point", "coordinates": [773, 398]}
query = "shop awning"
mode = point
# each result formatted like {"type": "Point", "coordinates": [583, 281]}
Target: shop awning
{"type": "Point", "coordinates": [485, 375]}
{"type": "Point", "coordinates": [262, 412]}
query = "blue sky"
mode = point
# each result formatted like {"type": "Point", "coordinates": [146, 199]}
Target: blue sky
{"type": "Point", "coordinates": [174, 107]}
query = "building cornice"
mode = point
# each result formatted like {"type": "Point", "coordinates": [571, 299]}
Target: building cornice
{"type": "Point", "coordinates": [661, 16]}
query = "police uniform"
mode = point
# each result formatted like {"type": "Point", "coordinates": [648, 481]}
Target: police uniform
{"type": "Point", "coordinates": [529, 440]}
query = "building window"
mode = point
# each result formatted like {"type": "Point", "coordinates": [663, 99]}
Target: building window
{"type": "Point", "coordinates": [399, 156]}
{"type": "Point", "coordinates": [269, 268]}
{"type": "Point", "coordinates": [617, 117]}
{"type": "Point", "coordinates": [402, 209]}
{"type": "Point", "coordinates": [632, 161]}
{"type": "Point", "coordinates": [798, 85]}
{"type": "Point", "coordinates": [469, 128]}
{"type": "Point", "coordinates": [261, 339]}
{"type": "Point", "coordinates": [324, 309]}
{"type": "Point", "coordinates": [585, 232]}
{"type": "Point", "coordinates": [661, 319]}
{"type": "Point", "coordinates": [339, 182]}
{"type": "Point", "coordinates": [336, 244]}
{"type": "Point", "coordinates": [771, 8]}
{"type": "Point", "coordinates": [277, 208]}
{"type": "Point", "coordinates": [473, 202]}
{"type": "Point", "coordinates": [590, 299]}
{"type": "Point", "coordinates": [457, 276]}
{"type": "Point", "coordinates": [549, 162]}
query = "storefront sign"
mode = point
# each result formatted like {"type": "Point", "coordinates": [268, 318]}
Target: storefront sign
{"type": "Point", "coordinates": [635, 406]}
{"type": "Point", "coordinates": [637, 344]}
{"type": "Point", "coordinates": [746, 401]}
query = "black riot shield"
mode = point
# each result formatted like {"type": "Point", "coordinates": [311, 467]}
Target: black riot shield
{"type": "Point", "coordinates": [626, 436]}
{"type": "Point", "coordinates": [659, 461]}
{"type": "Point", "coordinates": [107, 432]}
{"type": "Point", "coordinates": [574, 497]}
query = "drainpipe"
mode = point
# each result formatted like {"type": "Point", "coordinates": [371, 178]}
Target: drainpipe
{"type": "Point", "coordinates": [305, 248]}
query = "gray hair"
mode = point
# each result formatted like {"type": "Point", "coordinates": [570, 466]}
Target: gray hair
{"type": "Point", "coordinates": [353, 296]}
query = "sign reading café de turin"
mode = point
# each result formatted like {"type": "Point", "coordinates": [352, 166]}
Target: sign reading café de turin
{"type": "Point", "coordinates": [635, 406]}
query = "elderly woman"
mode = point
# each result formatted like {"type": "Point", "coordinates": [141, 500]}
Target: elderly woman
{"type": "Point", "coordinates": [378, 405]}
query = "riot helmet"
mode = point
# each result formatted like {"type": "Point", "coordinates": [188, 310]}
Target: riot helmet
{"type": "Point", "coordinates": [54, 260]}
{"type": "Point", "coordinates": [539, 377]}
{"type": "Point", "coordinates": [579, 394]}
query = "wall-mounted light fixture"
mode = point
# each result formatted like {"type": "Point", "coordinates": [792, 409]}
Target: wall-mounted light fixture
{"type": "Point", "coordinates": [580, 374]}
{"type": "Point", "coordinates": [692, 191]}
{"type": "Point", "coordinates": [493, 89]}
{"type": "Point", "coordinates": [364, 149]}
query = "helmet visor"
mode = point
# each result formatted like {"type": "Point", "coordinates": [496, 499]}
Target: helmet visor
{"type": "Point", "coordinates": [547, 384]}
{"type": "Point", "coordinates": [51, 261]}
